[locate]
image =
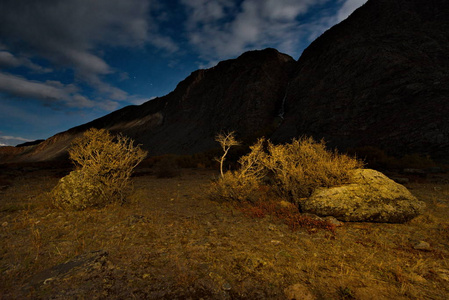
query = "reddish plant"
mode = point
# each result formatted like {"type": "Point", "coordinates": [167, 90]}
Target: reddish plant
{"type": "Point", "coordinates": [286, 212]}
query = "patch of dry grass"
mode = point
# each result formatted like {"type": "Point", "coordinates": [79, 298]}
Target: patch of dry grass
{"type": "Point", "coordinates": [170, 242]}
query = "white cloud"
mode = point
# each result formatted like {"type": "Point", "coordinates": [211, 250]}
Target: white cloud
{"type": "Point", "coordinates": [223, 29]}
{"type": "Point", "coordinates": [6, 140]}
{"type": "Point", "coordinates": [69, 33]}
{"type": "Point", "coordinates": [203, 11]}
{"type": "Point", "coordinates": [7, 59]}
{"type": "Point", "coordinates": [138, 101]}
{"type": "Point", "coordinates": [50, 92]}
{"type": "Point", "coordinates": [5, 137]}
{"type": "Point", "coordinates": [348, 8]}
{"type": "Point", "coordinates": [107, 105]}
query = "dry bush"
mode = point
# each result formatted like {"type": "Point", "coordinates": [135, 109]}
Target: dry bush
{"type": "Point", "coordinates": [104, 164]}
{"type": "Point", "coordinates": [242, 184]}
{"type": "Point", "coordinates": [234, 186]}
{"type": "Point", "coordinates": [226, 140]}
{"type": "Point", "coordinates": [302, 166]}
{"type": "Point", "coordinates": [292, 170]}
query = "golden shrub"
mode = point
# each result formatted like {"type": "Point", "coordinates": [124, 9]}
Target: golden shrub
{"type": "Point", "coordinates": [302, 166]}
{"type": "Point", "coordinates": [242, 184]}
{"type": "Point", "coordinates": [293, 170]}
{"type": "Point", "coordinates": [226, 140]}
{"type": "Point", "coordinates": [104, 164]}
{"type": "Point", "coordinates": [234, 186]}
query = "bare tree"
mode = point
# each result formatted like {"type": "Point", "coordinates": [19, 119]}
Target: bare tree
{"type": "Point", "coordinates": [226, 140]}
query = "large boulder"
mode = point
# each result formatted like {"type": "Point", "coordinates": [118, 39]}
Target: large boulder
{"type": "Point", "coordinates": [371, 197]}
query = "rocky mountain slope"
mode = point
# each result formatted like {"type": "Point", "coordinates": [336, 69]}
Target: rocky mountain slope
{"type": "Point", "coordinates": [379, 78]}
{"type": "Point", "coordinates": [243, 94]}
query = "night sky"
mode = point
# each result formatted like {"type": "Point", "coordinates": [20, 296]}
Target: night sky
{"type": "Point", "coordinates": [66, 62]}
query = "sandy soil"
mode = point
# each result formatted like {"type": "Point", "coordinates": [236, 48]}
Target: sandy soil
{"type": "Point", "coordinates": [171, 242]}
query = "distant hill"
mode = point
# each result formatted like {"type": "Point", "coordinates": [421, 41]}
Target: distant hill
{"type": "Point", "coordinates": [380, 78]}
{"type": "Point", "coordinates": [36, 142]}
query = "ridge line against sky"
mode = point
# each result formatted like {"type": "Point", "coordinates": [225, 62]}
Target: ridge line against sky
{"type": "Point", "coordinates": [65, 63]}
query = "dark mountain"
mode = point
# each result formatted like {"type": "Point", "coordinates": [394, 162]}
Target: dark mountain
{"type": "Point", "coordinates": [379, 78]}
{"type": "Point", "coordinates": [243, 94]}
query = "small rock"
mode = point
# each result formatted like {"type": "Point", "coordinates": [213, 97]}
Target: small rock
{"type": "Point", "coordinates": [333, 221]}
{"type": "Point", "coordinates": [298, 291]}
{"type": "Point", "coordinates": [275, 242]}
{"type": "Point", "coordinates": [312, 216]}
{"type": "Point", "coordinates": [417, 278]}
{"type": "Point", "coordinates": [48, 280]}
{"type": "Point", "coordinates": [226, 286]}
{"type": "Point", "coordinates": [422, 245]}
{"type": "Point", "coordinates": [284, 204]}
{"type": "Point", "coordinates": [84, 263]}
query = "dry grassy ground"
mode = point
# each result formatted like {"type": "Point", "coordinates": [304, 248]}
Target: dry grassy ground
{"type": "Point", "coordinates": [171, 242]}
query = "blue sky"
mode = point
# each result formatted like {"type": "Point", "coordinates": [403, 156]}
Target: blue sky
{"type": "Point", "coordinates": [65, 62]}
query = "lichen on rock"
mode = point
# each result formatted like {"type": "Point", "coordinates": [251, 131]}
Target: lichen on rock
{"type": "Point", "coordinates": [371, 197]}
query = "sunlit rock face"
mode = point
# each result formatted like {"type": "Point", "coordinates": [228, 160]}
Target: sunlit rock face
{"type": "Point", "coordinates": [379, 78]}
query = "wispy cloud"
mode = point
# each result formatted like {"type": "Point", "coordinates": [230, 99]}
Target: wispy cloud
{"type": "Point", "coordinates": [8, 59]}
{"type": "Point", "coordinates": [5, 137]}
{"type": "Point", "coordinates": [50, 92]}
{"type": "Point", "coordinates": [6, 140]}
{"type": "Point", "coordinates": [72, 29]}
{"type": "Point", "coordinates": [348, 8]}
{"type": "Point", "coordinates": [69, 34]}
{"type": "Point", "coordinates": [223, 28]}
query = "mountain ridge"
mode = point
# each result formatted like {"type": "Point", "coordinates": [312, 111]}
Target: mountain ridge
{"type": "Point", "coordinates": [379, 78]}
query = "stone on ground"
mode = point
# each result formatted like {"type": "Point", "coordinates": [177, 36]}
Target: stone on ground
{"type": "Point", "coordinates": [371, 197]}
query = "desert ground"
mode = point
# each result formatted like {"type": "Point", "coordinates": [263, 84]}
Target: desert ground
{"type": "Point", "coordinates": [171, 242]}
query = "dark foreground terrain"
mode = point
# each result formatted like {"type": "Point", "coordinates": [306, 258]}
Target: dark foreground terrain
{"type": "Point", "coordinates": [171, 242]}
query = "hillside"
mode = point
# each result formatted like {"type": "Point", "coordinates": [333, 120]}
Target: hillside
{"type": "Point", "coordinates": [380, 78]}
